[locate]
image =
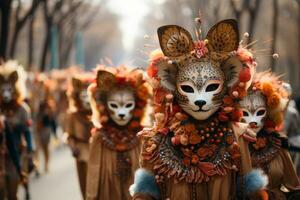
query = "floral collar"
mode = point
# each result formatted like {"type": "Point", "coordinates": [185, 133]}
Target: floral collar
{"type": "Point", "coordinates": [120, 139]}
{"type": "Point", "coordinates": [265, 149]}
{"type": "Point", "coordinates": [186, 151]}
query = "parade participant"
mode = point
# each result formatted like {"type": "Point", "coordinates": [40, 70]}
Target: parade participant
{"type": "Point", "coordinates": [17, 118]}
{"type": "Point", "coordinates": [263, 109]}
{"type": "Point", "coordinates": [79, 124]}
{"type": "Point", "coordinates": [45, 122]}
{"type": "Point", "coordinates": [118, 98]}
{"type": "Point", "coordinates": [194, 151]}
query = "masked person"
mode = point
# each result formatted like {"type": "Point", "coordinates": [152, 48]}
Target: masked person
{"type": "Point", "coordinates": [194, 150]}
{"type": "Point", "coordinates": [79, 124]}
{"type": "Point", "coordinates": [118, 98]}
{"type": "Point", "coordinates": [263, 109]}
{"type": "Point", "coordinates": [17, 122]}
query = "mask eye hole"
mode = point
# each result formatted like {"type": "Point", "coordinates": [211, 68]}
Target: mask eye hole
{"type": "Point", "coordinates": [261, 112]}
{"type": "Point", "coordinates": [212, 87]}
{"type": "Point", "coordinates": [187, 88]}
{"type": "Point", "coordinates": [245, 114]}
{"type": "Point", "coordinates": [129, 105]}
{"type": "Point", "coordinates": [113, 105]}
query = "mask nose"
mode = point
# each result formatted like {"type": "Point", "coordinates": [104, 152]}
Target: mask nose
{"type": "Point", "coordinates": [121, 116]}
{"type": "Point", "coordinates": [253, 124]}
{"type": "Point", "coordinates": [200, 103]}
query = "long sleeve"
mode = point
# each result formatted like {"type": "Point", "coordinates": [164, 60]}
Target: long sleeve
{"type": "Point", "coordinates": [290, 178]}
{"type": "Point", "coordinates": [12, 150]}
{"type": "Point", "coordinates": [28, 138]}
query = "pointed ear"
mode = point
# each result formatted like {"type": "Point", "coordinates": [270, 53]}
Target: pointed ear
{"type": "Point", "coordinates": [137, 74]}
{"type": "Point", "coordinates": [76, 83]}
{"type": "Point", "coordinates": [223, 36]}
{"type": "Point", "coordinates": [174, 40]}
{"type": "Point", "coordinates": [231, 69]}
{"type": "Point", "coordinates": [105, 79]}
{"type": "Point", "coordinates": [167, 74]}
{"type": "Point", "coordinates": [13, 77]}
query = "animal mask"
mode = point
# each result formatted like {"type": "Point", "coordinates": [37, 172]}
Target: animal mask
{"type": "Point", "coordinates": [199, 73]}
{"type": "Point", "coordinates": [121, 103]}
{"type": "Point", "coordinates": [8, 90]}
{"type": "Point", "coordinates": [80, 94]}
{"type": "Point", "coordinates": [254, 109]}
{"type": "Point", "coordinates": [266, 102]}
{"type": "Point", "coordinates": [119, 95]}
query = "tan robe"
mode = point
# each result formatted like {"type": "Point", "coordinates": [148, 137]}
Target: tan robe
{"type": "Point", "coordinates": [79, 133]}
{"type": "Point", "coordinates": [102, 181]}
{"type": "Point", "coordinates": [282, 173]}
{"type": "Point", "coordinates": [218, 188]}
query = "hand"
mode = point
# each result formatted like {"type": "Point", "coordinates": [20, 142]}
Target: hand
{"type": "Point", "coordinates": [31, 165]}
{"type": "Point", "coordinates": [23, 178]}
{"type": "Point", "coordinates": [75, 152]}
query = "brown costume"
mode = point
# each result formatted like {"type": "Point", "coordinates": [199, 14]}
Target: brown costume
{"type": "Point", "coordinates": [268, 154]}
{"type": "Point", "coordinates": [119, 94]}
{"type": "Point", "coordinates": [79, 127]}
{"type": "Point", "coordinates": [196, 150]}
{"type": "Point", "coordinates": [105, 170]}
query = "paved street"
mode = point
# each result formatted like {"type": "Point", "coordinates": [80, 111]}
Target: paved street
{"type": "Point", "coordinates": [61, 181]}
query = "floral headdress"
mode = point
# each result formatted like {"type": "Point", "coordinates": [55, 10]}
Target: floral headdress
{"type": "Point", "coordinates": [78, 82]}
{"type": "Point", "coordinates": [122, 76]}
{"type": "Point", "coordinates": [215, 52]}
{"type": "Point", "coordinates": [6, 70]}
{"type": "Point", "coordinates": [276, 96]}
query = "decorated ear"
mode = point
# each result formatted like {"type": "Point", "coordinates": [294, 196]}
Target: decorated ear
{"type": "Point", "coordinates": [106, 79]}
{"type": "Point", "coordinates": [137, 75]}
{"type": "Point", "coordinates": [174, 40]}
{"type": "Point", "coordinates": [13, 77]}
{"type": "Point", "coordinates": [76, 83]}
{"type": "Point", "coordinates": [223, 36]}
{"type": "Point", "coordinates": [232, 68]}
{"type": "Point", "coordinates": [167, 74]}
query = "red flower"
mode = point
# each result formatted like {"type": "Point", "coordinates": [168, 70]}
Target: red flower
{"type": "Point", "coordinates": [245, 75]}
{"type": "Point", "coordinates": [152, 70]}
{"type": "Point", "coordinates": [200, 49]}
{"type": "Point", "coordinates": [223, 117]}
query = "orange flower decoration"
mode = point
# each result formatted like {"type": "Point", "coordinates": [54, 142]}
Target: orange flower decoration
{"type": "Point", "coordinates": [195, 159]}
{"type": "Point", "coordinates": [202, 152]}
{"type": "Point", "coordinates": [274, 100]}
{"type": "Point", "coordinates": [267, 88]}
{"type": "Point", "coordinates": [194, 138]}
{"type": "Point", "coordinates": [142, 92]}
{"type": "Point", "coordinates": [229, 139]}
{"type": "Point", "coordinates": [134, 124]}
{"type": "Point", "coordinates": [228, 101]}
{"type": "Point", "coordinates": [138, 112]}
{"type": "Point", "coordinates": [190, 127]}
{"type": "Point", "coordinates": [260, 143]}
{"type": "Point", "coordinates": [235, 151]}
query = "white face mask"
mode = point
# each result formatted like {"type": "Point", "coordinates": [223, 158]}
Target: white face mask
{"type": "Point", "coordinates": [6, 93]}
{"type": "Point", "coordinates": [121, 104]}
{"type": "Point", "coordinates": [200, 103]}
{"type": "Point", "coordinates": [254, 111]}
{"type": "Point", "coordinates": [84, 98]}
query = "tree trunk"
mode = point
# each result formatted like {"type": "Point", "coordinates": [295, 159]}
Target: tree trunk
{"type": "Point", "coordinates": [5, 19]}
{"type": "Point", "coordinates": [14, 41]}
{"type": "Point", "coordinates": [30, 43]}
{"type": "Point", "coordinates": [274, 32]}
{"type": "Point", "coordinates": [45, 50]}
{"type": "Point", "coordinates": [253, 12]}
